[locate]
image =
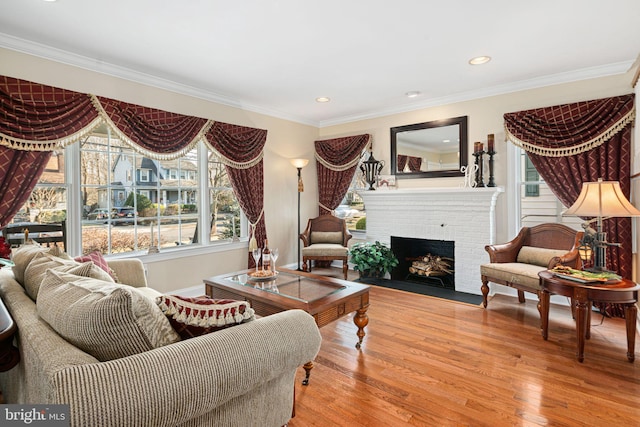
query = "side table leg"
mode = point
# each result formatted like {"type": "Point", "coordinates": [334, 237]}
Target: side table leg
{"type": "Point", "coordinates": [543, 308]}
{"type": "Point", "coordinates": [307, 372]}
{"type": "Point", "coordinates": [630, 315]}
{"type": "Point", "coordinates": [361, 320]}
{"type": "Point", "coordinates": [581, 327]}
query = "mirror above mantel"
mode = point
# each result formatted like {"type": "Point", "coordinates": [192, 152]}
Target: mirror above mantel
{"type": "Point", "coordinates": [429, 150]}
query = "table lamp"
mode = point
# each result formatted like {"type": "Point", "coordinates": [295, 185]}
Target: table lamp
{"type": "Point", "coordinates": [600, 200]}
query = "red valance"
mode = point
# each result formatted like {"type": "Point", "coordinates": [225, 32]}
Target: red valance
{"type": "Point", "coordinates": [240, 146]}
{"type": "Point", "coordinates": [341, 153]}
{"type": "Point", "coordinates": [569, 129]}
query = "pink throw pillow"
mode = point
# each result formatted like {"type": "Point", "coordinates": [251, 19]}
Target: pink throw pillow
{"type": "Point", "coordinates": [99, 260]}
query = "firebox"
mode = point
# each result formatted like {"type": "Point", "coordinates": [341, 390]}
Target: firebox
{"type": "Point", "coordinates": [424, 261]}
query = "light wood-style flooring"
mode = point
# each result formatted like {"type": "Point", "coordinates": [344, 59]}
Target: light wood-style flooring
{"type": "Point", "coordinates": [432, 362]}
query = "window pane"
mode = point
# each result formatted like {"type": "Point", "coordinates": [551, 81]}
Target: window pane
{"type": "Point", "coordinates": [225, 210]}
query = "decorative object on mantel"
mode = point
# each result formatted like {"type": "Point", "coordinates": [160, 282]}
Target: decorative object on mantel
{"type": "Point", "coordinates": [601, 200]}
{"type": "Point", "coordinates": [371, 168]}
{"type": "Point", "coordinates": [299, 164]}
{"type": "Point", "coordinates": [469, 173]}
{"type": "Point", "coordinates": [491, 152]}
{"type": "Point", "coordinates": [386, 182]}
{"type": "Point", "coordinates": [478, 153]}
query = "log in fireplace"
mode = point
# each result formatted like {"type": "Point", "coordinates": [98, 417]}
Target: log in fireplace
{"type": "Point", "coordinates": [424, 261]}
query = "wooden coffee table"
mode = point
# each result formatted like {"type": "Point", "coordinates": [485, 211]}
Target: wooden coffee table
{"type": "Point", "coordinates": [325, 298]}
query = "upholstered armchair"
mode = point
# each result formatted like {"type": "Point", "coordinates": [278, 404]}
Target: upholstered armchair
{"type": "Point", "coordinates": [325, 239]}
{"type": "Point", "coordinates": [518, 262]}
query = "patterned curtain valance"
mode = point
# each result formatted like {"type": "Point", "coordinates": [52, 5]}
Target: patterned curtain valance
{"type": "Point", "coordinates": [239, 147]}
{"type": "Point", "coordinates": [340, 154]}
{"type": "Point", "coordinates": [35, 117]}
{"type": "Point", "coordinates": [569, 129]}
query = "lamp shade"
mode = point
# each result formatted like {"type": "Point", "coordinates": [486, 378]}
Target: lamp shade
{"type": "Point", "coordinates": [602, 199]}
{"type": "Point", "coordinates": [299, 163]}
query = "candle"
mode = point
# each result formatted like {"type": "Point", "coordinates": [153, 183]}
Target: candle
{"type": "Point", "coordinates": [490, 142]}
{"type": "Point", "coordinates": [476, 147]}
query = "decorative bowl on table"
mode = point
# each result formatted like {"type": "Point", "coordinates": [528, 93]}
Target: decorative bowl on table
{"type": "Point", "coordinates": [262, 275]}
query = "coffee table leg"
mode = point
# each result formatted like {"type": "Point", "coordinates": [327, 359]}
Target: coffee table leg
{"type": "Point", "coordinates": [630, 315]}
{"type": "Point", "coordinates": [307, 372]}
{"type": "Point", "coordinates": [361, 320]}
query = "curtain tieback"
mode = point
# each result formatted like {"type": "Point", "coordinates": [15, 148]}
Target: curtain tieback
{"type": "Point", "coordinates": [253, 243]}
{"type": "Point", "coordinates": [333, 212]}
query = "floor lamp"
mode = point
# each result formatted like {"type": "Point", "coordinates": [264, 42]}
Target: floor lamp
{"type": "Point", "coordinates": [299, 164]}
{"type": "Point", "coordinates": [601, 200]}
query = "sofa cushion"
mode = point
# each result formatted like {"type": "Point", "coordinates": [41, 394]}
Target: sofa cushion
{"type": "Point", "coordinates": [195, 316]}
{"type": "Point", "coordinates": [325, 249]}
{"type": "Point", "coordinates": [335, 237]}
{"type": "Point", "coordinates": [23, 255]}
{"type": "Point", "coordinates": [104, 319]}
{"type": "Point", "coordinates": [38, 266]}
{"type": "Point", "coordinates": [538, 256]}
{"type": "Point", "coordinates": [525, 275]}
{"type": "Point", "coordinates": [98, 259]}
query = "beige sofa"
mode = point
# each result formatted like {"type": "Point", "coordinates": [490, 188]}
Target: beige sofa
{"type": "Point", "coordinates": [243, 375]}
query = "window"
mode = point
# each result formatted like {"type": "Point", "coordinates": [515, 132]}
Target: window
{"type": "Point", "coordinates": [537, 202]}
{"type": "Point", "coordinates": [352, 207]}
{"type": "Point", "coordinates": [120, 215]}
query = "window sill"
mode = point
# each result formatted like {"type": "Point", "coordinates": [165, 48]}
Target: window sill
{"type": "Point", "coordinates": [183, 252]}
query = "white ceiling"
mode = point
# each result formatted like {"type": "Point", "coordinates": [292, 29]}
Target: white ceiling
{"type": "Point", "coordinates": [277, 56]}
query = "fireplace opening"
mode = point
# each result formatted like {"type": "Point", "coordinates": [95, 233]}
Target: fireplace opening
{"type": "Point", "coordinates": [426, 261]}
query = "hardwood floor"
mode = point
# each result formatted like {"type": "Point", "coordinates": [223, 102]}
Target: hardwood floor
{"type": "Point", "coordinates": [432, 362]}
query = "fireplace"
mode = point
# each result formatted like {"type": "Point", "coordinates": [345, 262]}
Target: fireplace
{"type": "Point", "coordinates": [465, 216]}
{"type": "Point", "coordinates": [424, 261]}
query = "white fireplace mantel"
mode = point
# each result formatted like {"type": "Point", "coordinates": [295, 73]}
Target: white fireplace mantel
{"type": "Point", "coordinates": [463, 215]}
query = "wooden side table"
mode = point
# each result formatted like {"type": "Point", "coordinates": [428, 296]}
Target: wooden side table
{"type": "Point", "coordinates": [582, 295]}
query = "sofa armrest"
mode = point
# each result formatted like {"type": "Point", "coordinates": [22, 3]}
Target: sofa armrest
{"type": "Point", "coordinates": [507, 252]}
{"type": "Point", "coordinates": [193, 379]}
{"type": "Point", "coordinates": [130, 271]}
{"type": "Point", "coordinates": [570, 259]}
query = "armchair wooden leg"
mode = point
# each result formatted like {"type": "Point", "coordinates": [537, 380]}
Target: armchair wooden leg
{"type": "Point", "coordinates": [485, 291]}
{"type": "Point", "coordinates": [345, 268]}
{"type": "Point", "coordinates": [521, 296]}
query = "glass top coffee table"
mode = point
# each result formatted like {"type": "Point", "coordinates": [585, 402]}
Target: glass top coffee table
{"type": "Point", "coordinates": [325, 298]}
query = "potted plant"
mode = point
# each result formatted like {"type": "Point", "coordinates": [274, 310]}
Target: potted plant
{"type": "Point", "coordinates": [372, 259]}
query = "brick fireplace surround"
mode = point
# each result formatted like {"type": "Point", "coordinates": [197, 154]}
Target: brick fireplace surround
{"type": "Point", "coordinates": [464, 215]}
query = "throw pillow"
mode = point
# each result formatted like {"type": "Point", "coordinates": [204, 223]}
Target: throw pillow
{"type": "Point", "coordinates": [105, 319]}
{"type": "Point", "coordinates": [23, 255]}
{"type": "Point", "coordinates": [98, 259]}
{"type": "Point", "coordinates": [195, 316]}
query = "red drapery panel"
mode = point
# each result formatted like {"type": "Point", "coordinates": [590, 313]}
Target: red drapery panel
{"type": "Point", "coordinates": [574, 143]}
{"type": "Point", "coordinates": [415, 163]}
{"type": "Point", "coordinates": [337, 162]}
{"type": "Point", "coordinates": [157, 131]}
{"type": "Point", "coordinates": [402, 161]}
{"type": "Point", "coordinates": [19, 173]}
{"type": "Point", "coordinates": [242, 148]}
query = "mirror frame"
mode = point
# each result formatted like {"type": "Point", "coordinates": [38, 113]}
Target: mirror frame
{"type": "Point", "coordinates": [462, 149]}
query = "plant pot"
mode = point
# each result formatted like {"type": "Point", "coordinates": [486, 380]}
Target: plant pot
{"type": "Point", "coordinates": [375, 274]}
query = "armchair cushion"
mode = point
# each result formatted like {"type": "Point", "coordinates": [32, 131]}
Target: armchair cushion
{"type": "Point", "coordinates": [335, 237]}
{"type": "Point", "coordinates": [525, 275]}
{"type": "Point", "coordinates": [538, 256]}
{"type": "Point", "coordinates": [107, 320]}
{"type": "Point", "coordinates": [325, 249]}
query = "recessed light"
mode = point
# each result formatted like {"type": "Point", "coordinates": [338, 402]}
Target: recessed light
{"type": "Point", "coordinates": [412, 94]}
{"type": "Point", "coordinates": [478, 60]}
{"type": "Point", "coordinates": [323, 99]}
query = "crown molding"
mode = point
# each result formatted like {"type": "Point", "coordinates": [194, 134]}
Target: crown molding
{"type": "Point", "coordinates": [538, 82]}
{"type": "Point", "coordinates": [80, 61]}
{"type": "Point", "coordinates": [68, 58]}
